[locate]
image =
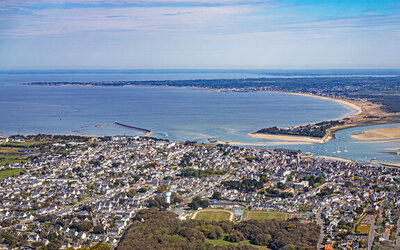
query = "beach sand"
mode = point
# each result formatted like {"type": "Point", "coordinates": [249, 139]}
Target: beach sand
{"type": "Point", "coordinates": [378, 134]}
{"type": "Point", "coordinates": [365, 113]}
{"type": "Point", "coordinates": [379, 141]}
{"type": "Point", "coordinates": [356, 106]}
{"type": "Point", "coordinates": [287, 138]}
{"type": "Point", "coordinates": [397, 164]}
{"type": "Point", "coordinates": [273, 143]}
{"type": "Point", "coordinates": [148, 134]}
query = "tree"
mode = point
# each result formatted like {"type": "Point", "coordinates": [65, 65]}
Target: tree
{"type": "Point", "coordinates": [235, 236]}
{"type": "Point", "coordinates": [217, 195]}
{"type": "Point", "coordinates": [198, 202]}
{"type": "Point", "coordinates": [100, 246]}
{"type": "Point", "coordinates": [215, 232]}
{"type": "Point", "coordinates": [98, 229]}
{"type": "Point", "coordinates": [82, 226]}
{"type": "Point", "coordinates": [162, 189]}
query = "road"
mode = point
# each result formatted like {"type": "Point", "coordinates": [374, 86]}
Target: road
{"type": "Point", "coordinates": [320, 222]}
{"type": "Point", "coordinates": [397, 233]}
{"type": "Point", "coordinates": [371, 235]}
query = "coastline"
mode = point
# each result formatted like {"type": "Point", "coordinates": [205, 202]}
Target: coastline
{"type": "Point", "coordinates": [348, 103]}
{"type": "Point", "coordinates": [397, 165]}
{"type": "Point", "coordinates": [366, 114]}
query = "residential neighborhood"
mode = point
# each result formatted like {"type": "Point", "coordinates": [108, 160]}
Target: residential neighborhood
{"type": "Point", "coordinates": [90, 193]}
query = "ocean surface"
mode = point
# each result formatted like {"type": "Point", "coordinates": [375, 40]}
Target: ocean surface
{"type": "Point", "coordinates": [177, 114]}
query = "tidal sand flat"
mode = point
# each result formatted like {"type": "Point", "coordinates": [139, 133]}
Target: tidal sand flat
{"type": "Point", "coordinates": [378, 134]}
{"type": "Point", "coordinates": [364, 113]}
{"type": "Point", "coordinates": [261, 144]}
{"type": "Point", "coordinates": [287, 138]}
{"type": "Point", "coordinates": [357, 107]}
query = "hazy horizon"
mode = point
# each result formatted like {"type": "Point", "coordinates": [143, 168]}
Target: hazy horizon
{"type": "Point", "coordinates": [199, 34]}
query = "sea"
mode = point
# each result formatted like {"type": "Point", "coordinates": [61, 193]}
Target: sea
{"type": "Point", "coordinates": [178, 113]}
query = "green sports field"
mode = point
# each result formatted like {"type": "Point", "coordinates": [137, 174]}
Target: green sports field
{"type": "Point", "coordinates": [264, 216]}
{"type": "Point", "coordinates": [209, 215]}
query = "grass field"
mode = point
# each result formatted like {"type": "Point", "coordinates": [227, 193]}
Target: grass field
{"type": "Point", "coordinates": [362, 229]}
{"type": "Point", "coordinates": [25, 144]}
{"type": "Point", "coordinates": [10, 172]}
{"type": "Point", "coordinates": [213, 215]}
{"type": "Point", "coordinates": [264, 216]}
{"type": "Point", "coordinates": [8, 159]}
{"type": "Point", "coordinates": [221, 242]}
{"type": "Point", "coordinates": [9, 151]}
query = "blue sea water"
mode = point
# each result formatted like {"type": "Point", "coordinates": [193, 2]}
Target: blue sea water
{"type": "Point", "coordinates": [177, 114]}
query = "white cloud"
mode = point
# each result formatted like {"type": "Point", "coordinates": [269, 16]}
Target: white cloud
{"type": "Point", "coordinates": [61, 21]}
{"type": "Point", "coordinates": [10, 3]}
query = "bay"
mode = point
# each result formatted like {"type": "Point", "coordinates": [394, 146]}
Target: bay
{"type": "Point", "coordinates": [177, 114]}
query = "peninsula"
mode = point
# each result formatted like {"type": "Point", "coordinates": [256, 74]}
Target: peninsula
{"type": "Point", "coordinates": [365, 113]}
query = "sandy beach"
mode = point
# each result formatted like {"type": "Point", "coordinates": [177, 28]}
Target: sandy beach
{"type": "Point", "coordinates": [378, 134]}
{"type": "Point", "coordinates": [365, 113]}
{"type": "Point", "coordinates": [287, 138]}
{"type": "Point", "coordinates": [397, 164]}
{"type": "Point", "coordinates": [274, 143]}
{"type": "Point", "coordinates": [356, 106]}
{"type": "Point", "coordinates": [148, 134]}
{"type": "Point", "coordinates": [379, 141]}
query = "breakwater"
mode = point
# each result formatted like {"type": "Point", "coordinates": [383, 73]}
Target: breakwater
{"type": "Point", "coordinates": [148, 132]}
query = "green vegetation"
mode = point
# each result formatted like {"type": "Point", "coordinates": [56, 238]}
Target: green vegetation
{"type": "Point", "coordinates": [162, 230]}
{"type": "Point", "coordinates": [26, 144]}
{"type": "Point", "coordinates": [210, 215]}
{"type": "Point", "coordinates": [197, 202]}
{"type": "Point", "coordinates": [317, 130]}
{"type": "Point", "coordinates": [264, 216]}
{"type": "Point", "coordinates": [9, 159]}
{"type": "Point", "coordinates": [362, 229]}
{"type": "Point", "coordinates": [315, 181]}
{"type": "Point", "coordinates": [159, 201]}
{"type": "Point", "coordinates": [224, 243]}
{"type": "Point", "coordinates": [10, 172]}
{"type": "Point", "coordinates": [191, 172]}
{"type": "Point", "coordinates": [31, 145]}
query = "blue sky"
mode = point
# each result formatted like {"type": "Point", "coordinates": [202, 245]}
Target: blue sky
{"type": "Point", "coordinates": [128, 34]}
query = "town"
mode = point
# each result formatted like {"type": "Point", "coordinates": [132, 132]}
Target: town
{"type": "Point", "coordinates": [85, 191]}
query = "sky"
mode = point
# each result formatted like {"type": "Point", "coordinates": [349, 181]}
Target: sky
{"type": "Point", "coordinates": [199, 34]}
